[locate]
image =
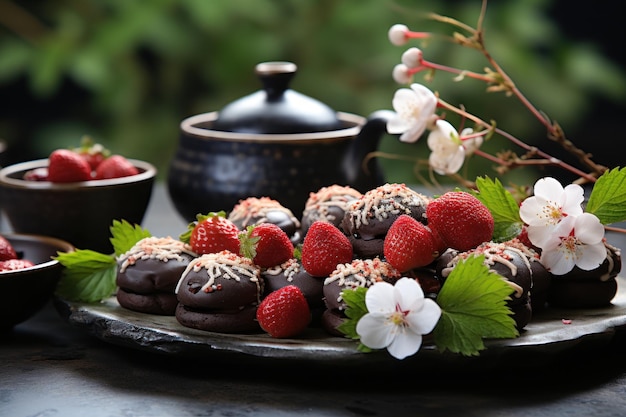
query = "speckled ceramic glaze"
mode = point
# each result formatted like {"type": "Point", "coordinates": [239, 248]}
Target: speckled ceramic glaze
{"type": "Point", "coordinates": [273, 143]}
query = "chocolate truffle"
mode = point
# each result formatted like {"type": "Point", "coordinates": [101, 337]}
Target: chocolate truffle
{"type": "Point", "coordinates": [148, 273]}
{"type": "Point", "coordinates": [220, 292]}
{"type": "Point", "coordinates": [256, 210]}
{"type": "Point", "coordinates": [587, 289]}
{"type": "Point", "coordinates": [511, 260]}
{"type": "Point", "coordinates": [292, 273]}
{"type": "Point", "coordinates": [328, 204]}
{"type": "Point", "coordinates": [368, 219]}
{"type": "Point", "coordinates": [359, 273]}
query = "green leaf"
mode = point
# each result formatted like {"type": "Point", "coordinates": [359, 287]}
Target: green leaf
{"type": "Point", "coordinates": [186, 235]}
{"type": "Point", "coordinates": [124, 236]}
{"type": "Point", "coordinates": [356, 308]}
{"type": "Point", "coordinates": [88, 276]}
{"type": "Point", "coordinates": [473, 301]}
{"type": "Point", "coordinates": [608, 197]}
{"type": "Point", "coordinates": [503, 208]}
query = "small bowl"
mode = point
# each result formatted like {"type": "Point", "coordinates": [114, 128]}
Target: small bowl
{"type": "Point", "coordinates": [24, 292]}
{"type": "Point", "coordinates": [81, 212]}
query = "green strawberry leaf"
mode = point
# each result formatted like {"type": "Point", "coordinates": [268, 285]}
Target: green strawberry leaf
{"type": "Point", "coordinates": [356, 308]}
{"type": "Point", "coordinates": [608, 197]}
{"type": "Point", "coordinates": [88, 276]}
{"type": "Point", "coordinates": [186, 235]}
{"type": "Point", "coordinates": [473, 303]}
{"type": "Point", "coordinates": [248, 243]}
{"type": "Point", "coordinates": [124, 236]}
{"type": "Point", "coordinates": [503, 208]}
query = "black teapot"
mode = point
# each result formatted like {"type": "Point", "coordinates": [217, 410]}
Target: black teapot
{"type": "Point", "coordinates": [275, 143]}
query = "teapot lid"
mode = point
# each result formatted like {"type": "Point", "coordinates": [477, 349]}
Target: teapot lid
{"type": "Point", "coordinates": [276, 109]}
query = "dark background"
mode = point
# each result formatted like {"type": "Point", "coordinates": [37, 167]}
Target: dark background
{"type": "Point", "coordinates": [127, 73]}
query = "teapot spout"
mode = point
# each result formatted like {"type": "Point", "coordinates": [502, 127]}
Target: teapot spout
{"type": "Point", "coordinates": [361, 174]}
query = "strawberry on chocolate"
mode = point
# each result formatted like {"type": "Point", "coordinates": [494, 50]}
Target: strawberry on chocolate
{"type": "Point", "coordinates": [461, 220]}
{"type": "Point", "coordinates": [323, 248]}
{"type": "Point", "coordinates": [284, 312]}
{"type": "Point", "coordinates": [266, 244]}
{"type": "Point", "coordinates": [409, 244]}
{"type": "Point", "coordinates": [212, 233]}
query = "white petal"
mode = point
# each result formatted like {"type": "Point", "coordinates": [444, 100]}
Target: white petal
{"type": "Point", "coordinates": [424, 320]}
{"type": "Point", "coordinates": [408, 294]}
{"type": "Point", "coordinates": [572, 199]}
{"type": "Point", "coordinates": [375, 332]}
{"type": "Point", "coordinates": [542, 236]}
{"type": "Point", "coordinates": [379, 298]}
{"type": "Point", "coordinates": [530, 211]}
{"type": "Point", "coordinates": [405, 344]}
{"type": "Point", "coordinates": [397, 125]}
{"type": "Point", "coordinates": [446, 164]}
{"type": "Point", "coordinates": [592, 256]}
{"type": "Point", "coordinates": [547, 187]}
{"type": "Point", "coordinates": [588, 229]}
{"type": "Point", "coordinates": [557, 262]}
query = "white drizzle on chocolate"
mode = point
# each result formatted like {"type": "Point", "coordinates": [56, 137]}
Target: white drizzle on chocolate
{"type": "Point", "coordinates": [361, 273]}
{"type": "Point", "coordinates": [160, 248]}
{"type": "Point", "coordinates": [289, 269]}
{"type": "Point", "coordinates": [383, 201]}
{"type": "Point", "coordinates": [226, 265]}
{"type": "Point", "coordinates": [257, 208]}
{"type": "Point", "coordinates": [335, 195]}
{"type": "Point", "coordinates": [498, 253]}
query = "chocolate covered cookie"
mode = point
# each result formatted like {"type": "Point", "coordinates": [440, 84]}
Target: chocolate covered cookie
{"type": "Point", "coordinates": [587, 289]}
{"type": "Point", "coordinates": [368, 219]}
{"type": "Point", "coordinates": [511, 260]}
{"type": "Point", "coordinates": [328, 204]}
{"type": "Point", "coordinates": [349, 276]}
{"type": "Point", "coordinates": [149, 272]}
{"type": "Point", "coordinates": [220, 292]}
{"type": "Point", "coordinates": [257, 210]}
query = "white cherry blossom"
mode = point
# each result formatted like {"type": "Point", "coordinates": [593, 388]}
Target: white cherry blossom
{"type": "Point", "coordinates": [398, 315]}
{"type": "Point", "coordinates": [415, 111]}
{"type": "Point", "coordinates": [448, 153]}
{"type": "Point", "coordinates": [550, 204]}
{"type": "Point", "coordinates": [575, 241]}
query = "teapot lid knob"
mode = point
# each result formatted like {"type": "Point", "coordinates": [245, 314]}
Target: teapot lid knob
{"type": "Point", "coordinates": [276, 109]}
{"type": "Point", "coordinates": [275, 77]}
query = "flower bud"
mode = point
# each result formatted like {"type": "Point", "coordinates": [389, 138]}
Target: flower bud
{"type": "Point", "coordinates": [397, 34]}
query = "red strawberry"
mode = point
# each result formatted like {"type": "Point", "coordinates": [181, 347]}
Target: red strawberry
{"type": "Point", "coordinates": [67, 166]}
{"type": "Point", "coordinates": [284, 312]}
{"type": "Point", "coordinates": [212, 233]}
{"type": "Point", "coordinates": [15, 264]}
{"type": "Point", "coordinates": [266, 244]}
{"type": "Point", "coordinates": [115, 166]}
{"type": "Point", "coordinates": [7, 251]}
{"type": "Point", "coordinates": [36, 174]}
{"type": "Point", "coordinates": [409, 244]}
{"type": "Point", "coordinates": [462, 220]}
{"type": "Point", "coordinates": [93, 153]}
{"type": "Point", "coordinates": [323, 248]}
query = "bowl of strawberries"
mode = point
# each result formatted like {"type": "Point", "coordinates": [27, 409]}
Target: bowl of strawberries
{"type": "Point", "coordinates": [28, 275]}
{"type": "Point", "coordinates": [75, 194]}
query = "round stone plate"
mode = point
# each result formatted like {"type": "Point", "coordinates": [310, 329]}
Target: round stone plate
{"type": "Point", "coordinates": [550, 332]}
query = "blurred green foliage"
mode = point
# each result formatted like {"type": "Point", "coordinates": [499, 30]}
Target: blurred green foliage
{"type": "Point", "coordinates": [127, 72]}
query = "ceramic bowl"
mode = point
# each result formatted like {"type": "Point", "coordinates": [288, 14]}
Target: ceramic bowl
{"type": "Point", "coordinates": [24, 292]}
{"type": "Point", "coordinates": [81, 212]}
